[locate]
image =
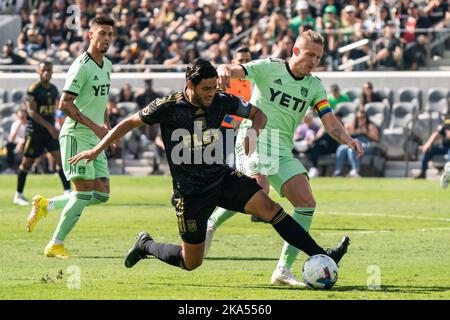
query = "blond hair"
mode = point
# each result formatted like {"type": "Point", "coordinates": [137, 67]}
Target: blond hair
{"type": "Point", "coordinates": [309, 35]}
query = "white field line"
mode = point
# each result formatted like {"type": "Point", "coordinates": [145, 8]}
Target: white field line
{"type": "Point", "coordinates": [373, 214]}
{"type": "Point", "coordinates": [383, 231]}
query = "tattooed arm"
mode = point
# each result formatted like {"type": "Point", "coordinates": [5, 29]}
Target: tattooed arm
{"type": "Point", "coordinates": [67, 105]}
{"type": "Point", "coordinates": [338, 133]}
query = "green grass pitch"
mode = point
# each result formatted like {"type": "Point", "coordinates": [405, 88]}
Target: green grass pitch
{"type": "Point", "coordinates": [399, 230]}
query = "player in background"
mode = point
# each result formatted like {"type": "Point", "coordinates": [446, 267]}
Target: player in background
{"type": "Point", "coordinates": [41, 134]}
{"type": "Point", "coordinates": [189, 125]}
{"type": "Point", "coordinates": [284, 91]}
{"type": "Point", "coordinates": [84, 100]}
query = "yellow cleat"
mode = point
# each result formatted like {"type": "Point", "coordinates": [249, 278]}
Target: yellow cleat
{"type": "Point", "coordinates": [38, 211]}
{"type": "Point", "coordinates": [56, 251]}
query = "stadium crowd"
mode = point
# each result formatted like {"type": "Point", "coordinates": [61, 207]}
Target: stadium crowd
{"type": "Point", "coordinates": [175, 32]}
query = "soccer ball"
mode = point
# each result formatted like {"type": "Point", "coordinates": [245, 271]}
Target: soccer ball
{"type": "Point", "coordinates": [320, 272]}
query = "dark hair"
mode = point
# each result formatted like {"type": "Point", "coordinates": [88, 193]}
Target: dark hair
{"type": "Point", "coordinates": [46, 63]}
{"type": "Point", "coordinates": [242, 49]}
{"type": "Point", "coordinates": [100, 21]}
{"type": "Point", "coordinates": [200, 69]}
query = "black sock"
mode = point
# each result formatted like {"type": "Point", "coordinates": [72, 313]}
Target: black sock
{"type": "Point", "coordinates": [21, 178]}
{"type": "Point", "coordinates": [169, 253]}
{"type": "Point", "coordinates": [294, 234]}
{"type": "Point", "coordinates": [66, 184]}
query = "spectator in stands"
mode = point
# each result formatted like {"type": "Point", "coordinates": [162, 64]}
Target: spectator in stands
{"type": "Point", "coordinates": [368, 95]}
{"type": "Point", "coordinates": [356, 53]}
{"type": "Point", "coordinates": [148, 95]}
{"type": "Point", "coordinates": [350, 22]}
{"type": "Point", "coordinates": [8, 56]}
{"type": "Point", "coordinates": [175, 52]}
{"type": "Point", "coordinates": [245, 11]}
{"type": "Point", "coordinates": [126, 94]}
{"type": "Point", "coordinates": [389, 49]}
{"type": "Point", "coordinates": [114, 115]}
{"type": "Point", "coordinates": [429, 149]}
{"type": "Point", "coordinates": [323, 144]}
{"type": "Point", "coordinates": [416, 20]}
{"type": "Point", "coordinates": [283, 48]}
{"type": "Point", "coordinates": [16, 139]}
{"type": "Point", "coordinates": [336, 96]}
{"type": "Point", "coordinates": [220, 29]}
{"type": "Point", "coordinates": [331, 25]}
{"type": "Point", "coordinates": [367, 133]}
{"type": "Point", "coordinates": [305, 133]}
{"type": "Point", "coordinates": [303, 18]}
{"type": "Point", "coordinates": [437, 11]}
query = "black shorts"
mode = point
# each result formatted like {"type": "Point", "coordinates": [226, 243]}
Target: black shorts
{"type": "Point", "coordinates": [35, 145]}
{"type": "Point", "coordinates": [193, 212]}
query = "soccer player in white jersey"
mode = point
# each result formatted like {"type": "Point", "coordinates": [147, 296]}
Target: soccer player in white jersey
{"type": "Point", "coordinates": [284, 91]}
{"type": "Point", "coordinates": [84, 100]}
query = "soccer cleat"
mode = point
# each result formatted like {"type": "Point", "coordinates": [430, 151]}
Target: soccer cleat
{"type": "Point", "coordinates": [38, 211]}
{"type": "Point", "coordinates": [445, 178]}
{"type": "Point", "coordinates": [210, 230]}
{"type": "Point", "coordinates": [56, 251]}
{"type": "Point", "coordinates": [338, 252]}
{"type": "Point", "coordinates": [20, 200]}
{"type": "Point", "coordinates": [135, 254]}
{"type": "Point", "coordinates": [284, 276]}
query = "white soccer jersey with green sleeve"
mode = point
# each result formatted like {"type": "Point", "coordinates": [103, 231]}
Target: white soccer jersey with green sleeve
{"type": "Point", "coordinates": [284, 99]}
{"type": "Point", "coordinates": [90, 82]}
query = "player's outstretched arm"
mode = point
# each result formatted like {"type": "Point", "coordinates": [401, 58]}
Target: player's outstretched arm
{"type": "Point", "coordinates": [337, 131]}
{"type": "Point", "coordinates": [67, 105]}
{"type": "Point", "coordinates": [259, 120]}
{"type": "Point", "coordinates": [227, 72]}
{"type": "Point", "coordinates": [118, 132]}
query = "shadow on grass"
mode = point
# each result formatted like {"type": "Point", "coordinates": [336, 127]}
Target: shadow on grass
{"type": "Point", "coordinates": [241, 259]}
{"type": "Point", "coordinates": [384, 289]}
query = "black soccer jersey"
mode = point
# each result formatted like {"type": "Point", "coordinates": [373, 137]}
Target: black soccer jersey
{"type": "Point", "coordinates": [191, 138]}
{"type": "Point", "coordinates": [45, 99]}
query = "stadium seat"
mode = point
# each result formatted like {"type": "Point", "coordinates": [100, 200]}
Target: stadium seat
{"type": "Point", "coordinates": [3, 96]}
{"type": "Point", "coordinates": [411, 94]}
{"type": "Point", "coordinates": [6, 123]}
{"type": "Point", "coordinates": [7, 109]}
{"type": "Point", "coordinates": [437, 100]}
{"type": "Point", "coordinates": [353, 93]}
{"type": "Point", "coordinates": [378, 113]}
{"type": "Point", "coordinates": [114, 93]}
{"type": "Point", "coordinates": [387, 95]}
{"type": "Point", "coordinates": [402, 114]}
{"type": "Point", "coordinates": [127, 107]}
{"type": "Point", "coordinates": [17, 95]}
{"type": "Point", "coordinates": [348, 110]}
{"type": "Point", "coordinates": [397, 137]}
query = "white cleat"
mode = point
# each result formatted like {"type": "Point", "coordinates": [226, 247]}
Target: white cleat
{"type": "Point", "coordinates": [20, 200]}
{"type": "Point", "coordinates": [210, 230]}
{"type": "Point", "coordinates": [284, 276]}
{"type": "Point", "coordinates": [445, 178]}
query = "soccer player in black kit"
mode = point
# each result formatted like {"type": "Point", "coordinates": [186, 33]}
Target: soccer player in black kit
{"type": "Point", "coordinates": [41, 134]}
{"type": "Point", "coordinates": [190, 121]}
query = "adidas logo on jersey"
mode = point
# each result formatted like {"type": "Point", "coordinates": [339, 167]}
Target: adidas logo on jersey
{"type": "Point", "coordinates": [278, 81]}
{"type": "Point", "coordinates": [95, 77]}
